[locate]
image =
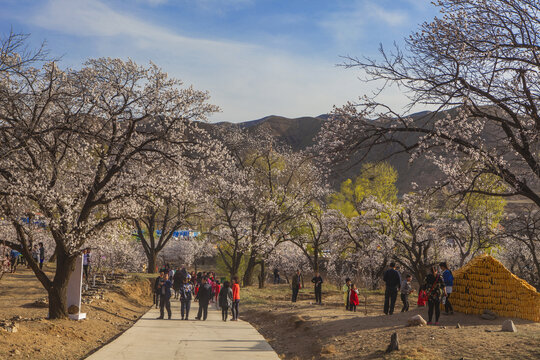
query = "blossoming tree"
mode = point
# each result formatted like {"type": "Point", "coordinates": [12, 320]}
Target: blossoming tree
{"type": "Point", "coordinates": [102, 129]}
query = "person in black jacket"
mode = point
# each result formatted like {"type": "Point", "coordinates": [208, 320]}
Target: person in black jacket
{"type": "Point", "coordinates": [177, 282]}
{"type": "Point", "coordinates": [164, 288]}
{"type": "Point", "coordinates": [156, 291]}
{"type": "Point", "coordinates": [317, 280]}
{"type": "Point", "coordinates": [204, 295]}
{"type": "Point", "coordinates": [393, 283]}
{"type": "Point", "coordinates": [225, 300]}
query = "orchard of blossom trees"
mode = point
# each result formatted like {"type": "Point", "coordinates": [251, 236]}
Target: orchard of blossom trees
{"type": "Point", "coordinates": [477, 65]}
{"type": "Point", "coordinates": [116, 156]}
{"type": "Point", "coordinates": [85, 149]}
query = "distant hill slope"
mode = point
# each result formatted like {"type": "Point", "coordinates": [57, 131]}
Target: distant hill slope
{"type": "Point", "coordinates": [299, 133]}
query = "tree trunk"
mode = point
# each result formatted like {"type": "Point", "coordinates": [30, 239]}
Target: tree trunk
{"type": "Point", "coordinates": [58, 302]}
{"type": "Point", "coordinates": [65, 265]}
{"type": "Point", "coordinates": [262, 275]}
{"type": "Point", "coordinates": [235, 267]}
{"type": "Point", "coordinates": [248, 275]}
{"type": "Point", "coordinates": [152, 261]}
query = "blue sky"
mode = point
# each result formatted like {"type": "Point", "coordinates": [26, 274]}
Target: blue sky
{"type": "Point", "coordinates": [255, 57]}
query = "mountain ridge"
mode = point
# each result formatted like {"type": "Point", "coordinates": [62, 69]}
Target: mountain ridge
{"type": "Point", "coordinates": [299, 133]}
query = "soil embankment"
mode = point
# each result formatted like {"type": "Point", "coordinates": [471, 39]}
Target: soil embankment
{"type": "Point", "coordinates": [109, 314]}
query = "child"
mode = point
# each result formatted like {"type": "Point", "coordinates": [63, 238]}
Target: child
{"type": "Point", "coordinates": [406, 289]}
{"type": "Point", "coordinates": [354, 301]}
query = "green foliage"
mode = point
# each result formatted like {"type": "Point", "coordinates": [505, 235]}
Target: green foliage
{"type": "Point", "coordinates": [479, 205]}
{"type": "Point", "coordinates": [377, 180]}
{"type": "Point", "coordinates": [486, 204]}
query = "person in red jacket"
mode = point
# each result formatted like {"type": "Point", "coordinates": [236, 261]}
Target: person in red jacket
{"type": "Point", "coordinates": [217, 288]}
{"type": "Point", "coordinates": [422, 297]}
{"type": "Point", "coordinates": [354, 301]}
{"type": "Point", "coordinates": [236, 298]}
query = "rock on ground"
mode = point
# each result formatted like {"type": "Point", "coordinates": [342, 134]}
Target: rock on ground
{"type": "Point", "coordinates": [488, 315]}
{"type": "Point", "coordinates": [508, 325]}
{"type": "Point", "coordinates": [394, 343]}
{"type": "Point", "coordinates": [416, 320]}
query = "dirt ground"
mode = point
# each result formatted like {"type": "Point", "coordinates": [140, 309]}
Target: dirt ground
{"type": "Point", "coordinates": [307, 331]}
{"type": "Point", "coordinates": [39, 338]}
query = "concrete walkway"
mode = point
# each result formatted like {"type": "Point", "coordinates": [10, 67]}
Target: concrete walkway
{"type": "Point", "coordinates": [193, 339]}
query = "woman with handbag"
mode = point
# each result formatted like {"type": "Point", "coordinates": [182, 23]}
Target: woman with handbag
{"type": "Point", "coordinates": [434, 285]}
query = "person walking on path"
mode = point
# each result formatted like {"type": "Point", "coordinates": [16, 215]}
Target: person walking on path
{"type": "Point", "coordinates": [435, 289]}
{"type": "Point", "coordinates": [225, 299]}
{"type": "Point", "coordinates": [204, 295]}
{"type": "Point", "coordinates": [354, 300]}
{"type": "Point", "coordinates": [14, 256]}
{"type": "Point", "coordinates": [41, 255]}
{"type": "Point", "coordinates": [406, 289]}
{"type": "Point", "coordinates": [448, 278]}
{"type": "Point", "coordinates": [236, 299]}
{"type": "Point", "coordinates": [156, 289]}
{"type": "Point", "coordinates": [177, 283]}
{"type": "Point", "coordinates": [317, 280]}
{"type": "Point", "coordinates": [186, 294]}
{"type": "Point", "coordinates": [393, 282]}
{"type": "Point", "coordinates": [347, 293]}
{"type": "Point", "coordinates": [164, 288]}
{"type": "Point", "coordinates": [296, 284]}
{"type": "Point", "coordinates": [217, 289]}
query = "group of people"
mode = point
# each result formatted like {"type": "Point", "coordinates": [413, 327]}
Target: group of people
{"type": "Point", "coordinates": [11, 258]}
{"type": "Point", "coordinates": [437, 287]}
{"type": "Point", "coordinates": [350, 292]}
{"type": "Point", "coordinates": [296, 285]}
{"type": "Point", "coordinates": [201, 287]}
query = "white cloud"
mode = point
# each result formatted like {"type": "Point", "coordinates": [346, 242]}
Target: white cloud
{"type": "Point", "coordinates": [350, 24]}
{"type": "Point", "coordinates": [247, 81]}
{"type": "Point", "coordinates": [154, 2]}
{"type": "Point", "coordinates": [391, 18]}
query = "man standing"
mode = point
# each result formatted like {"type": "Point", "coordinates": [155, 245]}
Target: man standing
{"type": "Point", "coordinates": [296, 284]}
{"type": "Point", "coordinates": [156, 289]}
{"type": "Point", "coordinates": [317, 280]}
{"type": "Point", "coordinates": [87, 259]}
{"type": "Point", "coordinates": [164, 289]}
{"type": "Point", "coordinates": [204, 295]}
{"type": "Point", "coordinates": [393, 282]}
{"type": "Point", "coordinates": [41, 255]}
{"type": "Point", "coordinates": [448, 283]}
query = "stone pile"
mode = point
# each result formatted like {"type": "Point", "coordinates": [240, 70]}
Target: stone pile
{"type": "Point", "coordinates": [9, 326]}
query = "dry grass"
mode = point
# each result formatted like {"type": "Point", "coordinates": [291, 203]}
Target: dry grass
{"type": "Point", "coordinates": [307, 331]}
